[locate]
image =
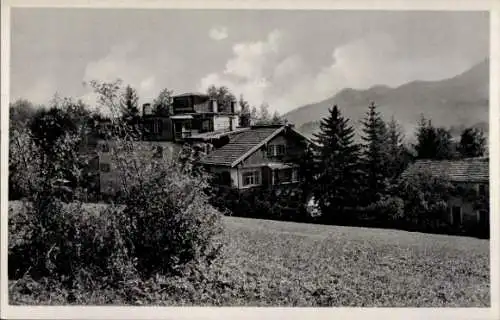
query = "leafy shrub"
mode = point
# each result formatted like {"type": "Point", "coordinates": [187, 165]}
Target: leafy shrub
{"type": "Point", "coordinates": [277, 203]}
{"type": "Point", "coordinates": [425, 198]}
{"type": "Point", "coordinates": [167, 216]}
{"type": "Point", "coordinates": [170, 222]}
{"type": "Point", "coordinates": [68, 244]}
{"type": "Point", "coordinates": [387, 209]}
{"type": "Point", "coordinates": [164, 223]}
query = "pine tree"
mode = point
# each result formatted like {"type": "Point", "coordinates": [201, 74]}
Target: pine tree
{"type": "Point", "coordinates": [472, 143]}
{"type": "Point", "coordinates": [276, 119]}
{"type": "Point", "coordinates": [397, 155]}
{"type": "Point", "coordinates": [433, 143]}
{"type": "Point", "coordinates": [445, 145]}
{"type": "Point", "coordinates": [264, 113]}
{"type": "Point", "coordinates": [426, 147]}
{"type": "Point", "coordinates": [254, 115]}
{"type": "Point", "coordinates": [337, 160]}
{"type": "Point", "coordinates": [374, 155]}
{"type": "Point", "coordinates": [129, 103]}
{"type": "Point", "coordinates": [245, 115]}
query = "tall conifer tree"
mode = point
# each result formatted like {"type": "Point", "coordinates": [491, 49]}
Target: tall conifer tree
{"type": "Point", "coordinates": [129, 103]}
{"type": "Point", "coordinates": [472, 143]}
{"type": "Point", "coordinates": [433, 143]}
{"type": "Point", "coordinates": [337, 174]}
{"type": "Point", "coordinates": [397, 154]}
{"type": "Point", "coordinates": [374, 155]}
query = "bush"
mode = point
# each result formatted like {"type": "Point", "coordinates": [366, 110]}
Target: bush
{"type": "Point", "coordinates": [425, 196]}
{"type": "Point", "coordinates": [68, 244]}
{"type": "Point", "coordinates": [164, 224]}
{"type": "Point", "coordinates": [277, 203]}
{"type": "Point", "coordinates": [388, 209]}
{"type": "Point", "coordinates": [170, 222]}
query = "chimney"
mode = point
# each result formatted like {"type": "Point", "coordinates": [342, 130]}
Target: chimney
{"type": "Point", "coordinates": [232, 106]}
{"type": "Point", "coordinates": [146, 109]}
{"type": "Point", "coordinates": [213, 103]}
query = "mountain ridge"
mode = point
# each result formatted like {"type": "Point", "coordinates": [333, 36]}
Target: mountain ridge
{"type": "Point", "coordinates": [461, 100]}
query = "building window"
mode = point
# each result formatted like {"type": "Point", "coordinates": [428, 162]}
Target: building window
{"type": "Point", "coordinates": [482, 190]}
{"type": "Point", "coordinates": [456, 215]}
{"type": "Point", "coordinates": [205, 125]}
{"type": "Point", "coordinates": [105, 167]}
{"type": "Point", "coordinates": [275, 150]}
{"type": "Point", "coordinates": [483, 218]}
{"type": "Point", "coordinates": [251, 178]}
{"type": "Point", "coordinates": [285, 176]}
{"type": "Point", "coordinates": [295, 175]}
{"type": "Point", "coordinates": [104, 147]}
{"type": "Point", "coordinates": [156, 126]}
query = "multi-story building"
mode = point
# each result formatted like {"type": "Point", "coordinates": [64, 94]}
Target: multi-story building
{"type": "Point", "coordinates": [190, 114]}
{"type": "Point", "coordinates": [192, 118]}
{"type": "Point", "coordinates": [250, 157]}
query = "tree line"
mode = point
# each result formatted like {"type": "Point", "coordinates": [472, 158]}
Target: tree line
{"type": "Point", "coordinates": [349, 173]}
{"type": "Point", "coordinates": [342, 175]}
{"type": "Point", "coordinates": [361, 183]}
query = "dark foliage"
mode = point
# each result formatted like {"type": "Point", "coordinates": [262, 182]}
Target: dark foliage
{"type": "Point", "coordinates": [245, 113]}
{"type": "Point", "coordinates": [398, 156]}
{"type": "Point", "coordinates": [433, 143]}
{"type": "Point", "coordinates": [48, 126]}
{"type": "Point", "coordinates": [374, 158]}
{"type": "Point", "coordinates": [162, 105]}
{"type": "Point", "coordinates": [223, 96]}
{"type": "Point", "coordinates": [472, 143]}
{"type": "Point", "coordinates": [338, 176]}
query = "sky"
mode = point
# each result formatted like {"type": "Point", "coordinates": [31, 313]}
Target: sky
{"type": "Point", "coordinates": [284, 58]}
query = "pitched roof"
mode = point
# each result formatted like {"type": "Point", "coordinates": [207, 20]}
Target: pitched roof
{"type": "Point", "coordinates": [466, 170]}
{"type": "Point", "coordinates": [241, 144]}
{"type": "Point", "coordinates": [189, 94]}
{"type": "Point", "coordinates": [217, 134]}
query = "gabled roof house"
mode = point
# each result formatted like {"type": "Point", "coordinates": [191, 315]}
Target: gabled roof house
{"type": "Point", "coordinates": [259, 156]}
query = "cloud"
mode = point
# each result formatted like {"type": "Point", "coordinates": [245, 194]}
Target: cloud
{"type": "Point", "coordinates": [126, 63]}
{"type": "Point", "coordinates": [218, 33]}
{"type": "Point", "coordinates": [42, 91]}
{"type": "Point", "coordinates": [267, 71]}
{"type": "Point", "coordinates": [264, 72]}
{"type": "Point", "coordinates": [246, 71]}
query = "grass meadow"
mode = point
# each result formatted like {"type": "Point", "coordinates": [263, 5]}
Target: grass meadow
{"type": "Point", "coordinates": [274, 263]}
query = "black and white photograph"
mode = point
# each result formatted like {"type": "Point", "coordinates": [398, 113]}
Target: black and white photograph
{"type": "Point", "coordinates": [246, 157]}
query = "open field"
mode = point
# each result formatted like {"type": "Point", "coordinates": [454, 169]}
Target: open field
{"type": "Point", "coordinates": [273, 263]}
{"type": "Point", "coordinates": [345, 266]}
